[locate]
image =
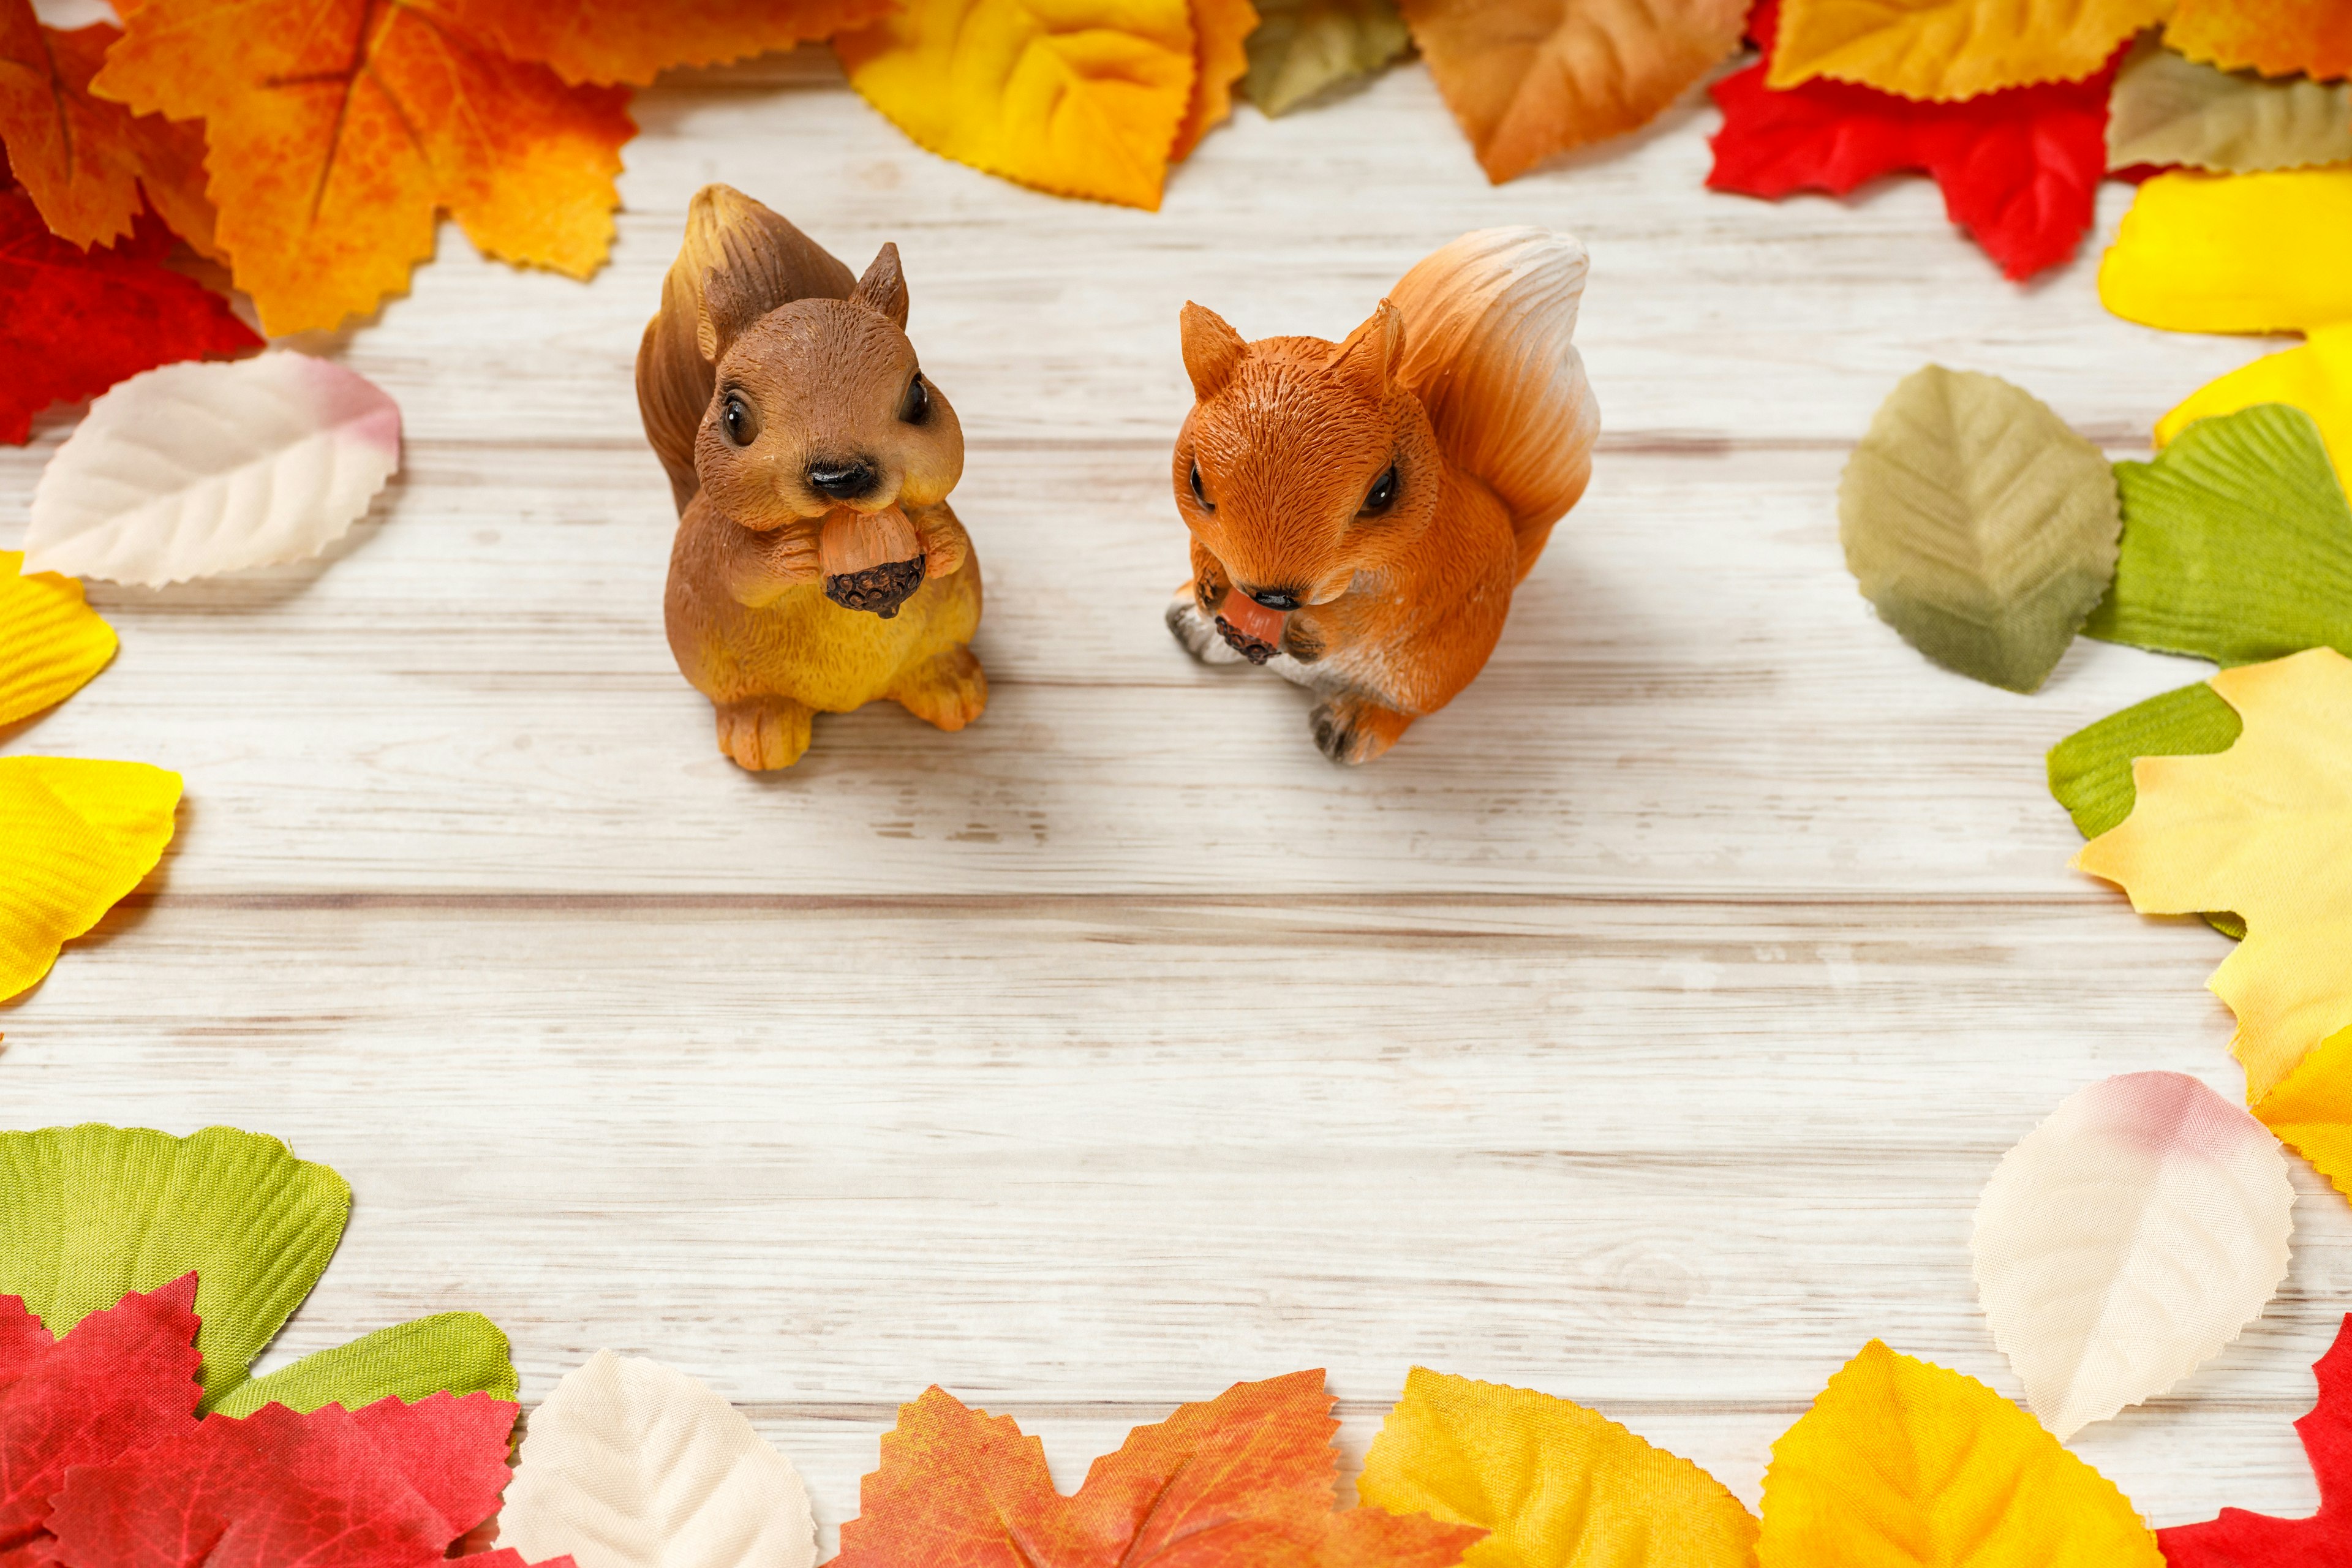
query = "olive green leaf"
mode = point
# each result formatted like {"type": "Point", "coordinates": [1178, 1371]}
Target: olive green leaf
{"type": "Point", "coordinates": [1302, 48]}
{"type": "Point", "coordinates": [459, 1353]}
{"type": "Point", "coordinates": [2091, 770]}
{"type": "Point", "coordinates": [2237, 543]}
{"type": "Point", "coordinates": [1978, 525]}
{"type": "Point", "coordinates": [2168, 109]}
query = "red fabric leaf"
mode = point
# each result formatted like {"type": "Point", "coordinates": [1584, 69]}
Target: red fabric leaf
{"type": "Point", "coordinates": [390, 1486]}
{"type": "Point", "coordinates": [2241, 1539]}
{"type": "Point", "coordinates": [2019, 169]}
{"type": "Point", "coordinates": [123, 1378]}
{"type": "Point", "coordinates": [74, 321]}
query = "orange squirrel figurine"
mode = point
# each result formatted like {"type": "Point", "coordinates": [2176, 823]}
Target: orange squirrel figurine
{"type": "Point", "coordinates": [817, 564]}
{"type": "Point", "coordinates": [1361, 511]}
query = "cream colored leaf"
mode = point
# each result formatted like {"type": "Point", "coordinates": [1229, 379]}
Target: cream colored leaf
{"type": "Point", "coordinates": [2127, 1238]}
{"type": "Point", "coordinates": [211, 466]}
{"type": "Point", "coordinates": [630, 1465]}
{"type": "Point", "coordinates": [2168, 109]}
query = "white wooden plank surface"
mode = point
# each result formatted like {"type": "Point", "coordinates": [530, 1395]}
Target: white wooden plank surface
{"type": "Point", "coordinates": [1642, 1029]}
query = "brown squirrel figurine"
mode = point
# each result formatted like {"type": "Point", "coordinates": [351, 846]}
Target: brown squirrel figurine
{"type": "Point", "coordinates": [1361, 511]}
{"type": "Point", "coordinates": [817, 564]}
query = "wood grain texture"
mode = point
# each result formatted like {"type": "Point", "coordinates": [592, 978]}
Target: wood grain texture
{"type": "Point", "coordinates": [1642, 1029]}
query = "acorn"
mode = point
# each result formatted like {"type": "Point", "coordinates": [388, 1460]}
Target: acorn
{"type": "Point", "coordinates": [873, 560]}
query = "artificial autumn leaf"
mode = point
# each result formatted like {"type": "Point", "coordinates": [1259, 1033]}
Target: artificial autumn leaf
{"type": "Point", "coordinates": [2263, 828]}
{"type": "Point", "coordinates": [1303, 48]}
{"type": "Point", "coordinates": [1981, 527]}
{"type": "Point", "coordinates": [2020, 170]}
{"type": "Point", "coordinates": [634, 40]}
{"type": "Point", "coordinates": [1527, 79]}
{"type": "Point", "coordinates": [630, 1465]}
{"type": "Point", "coordinates": [193, 469]}
{"type": "Point", "coordinates": [1558, 1486]}
{"type": "Point", "coordinates": [1084, 101]}
{"type": "Point", "coordinates": [337, 131]}
{"type": "Point", "coordinates": [1220, 30]}
{"type": "Point", "coordinates": [2237, 543]}
{"type": "Point", "coordinates": [1900, 1462]}
{"type": "Point", "coordinates": [74, 321]}
{"type": "Point", "coordinates": [2171, 110]}
{"type": "Point", "coordinates": [2277, 37]}
{"type": "Point", "coordinates": [448, 1352]}
{"type": "Point", "coordinates": [2234, 253]}
{"type": "Point", "coordinates": [1948, 49]}
{"type": "Point", "coordinates": [75, 836]}
{"type": "Point", "coordinates": [51, 641]}
{"type": "Point", "coordinates": [2241, 1539]}
{"type": "Point", "coordinates": [2126, 1239]}
{"type": "Point", "coordinates": [960, 1488]}
{"type": "Point", "coordinates": [2316, 378]}
{"type": "Point", "coordinates": [2310, 1111]}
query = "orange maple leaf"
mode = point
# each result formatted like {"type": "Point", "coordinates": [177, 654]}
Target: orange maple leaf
{"type": "Point", "coordinates": [1527, 79]}
{"type": "Point", "coordinates": [337, 130]}
{"type": "Point", "coordinates": [632, 40]}
{"type": "Point", "coordinates": [82, 160]}
{"type": "Point", "coordinates": [1244, 1480]}
{"type": "Point", "coordinates": [1219, 60]}
{"type": "Point", "coordinates": [2277, 37]}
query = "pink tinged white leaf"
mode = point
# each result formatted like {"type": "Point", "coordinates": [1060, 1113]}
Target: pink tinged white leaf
{"type": "Point", "coordinates": [630, 1465]}
{"type": "Point", "coordinates": [2126, 1239]}
{"type": "Point", "coordinates": [202, 468]}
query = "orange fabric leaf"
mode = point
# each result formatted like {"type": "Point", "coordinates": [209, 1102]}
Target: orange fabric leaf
{"type": "Point", "coordinates": [960, 1488]}
{"type": "Point", "coordinates": [1219, 60]}
{"type": "Point", "coordinates": [1527, 79]}
{"type": "Point", "coordinates": [336, 130]}
{"type": "Point", "coordinates": [2277, 37]}
{"type": "Point", "coordinates": [632, 40]}
{"type": "Point", "coordinates": [1945, 50]}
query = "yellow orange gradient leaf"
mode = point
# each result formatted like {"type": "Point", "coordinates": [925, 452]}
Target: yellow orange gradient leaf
{"type": "Point", "coordinates": [2234, 253]}
{"type": "Point", "coordinates": [1220, 28]}
{"type": "Point", "coordinates": [2316, 378]}
{"type": "Point", "coordinates": [1081, 97]}
{"type": "Point", "coordinates": [1902, 1463]}
{"type": "Point", "coordinates": [2277, 37]}
{"type": "Point", "coordinates": [634, 40]}
{"type": "Point", "coordinates": [1946, 49]}
{"type": "Point", "coordinates": [2311, 1109]}
{"type": "Point", "coordinates": [2266, 829]}
{"type": "Point", "coordinates": [1556, 1485]}
{"type": "Point", "coordinates": [51, 641]}
{"type": "Point", "coordinates": [338, 129]}
{"type": "Point", "coordinates": [75, 836]}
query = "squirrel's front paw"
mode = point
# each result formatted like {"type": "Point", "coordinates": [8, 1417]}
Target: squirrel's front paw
{"type": "Point", "coordinates": [1351, 729]}
{"type": "Point", "coordinates": [1195, 633]}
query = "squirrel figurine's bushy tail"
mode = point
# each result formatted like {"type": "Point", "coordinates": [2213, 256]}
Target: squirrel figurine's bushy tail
{"type": "Point", "coordinates": [1489, 322]}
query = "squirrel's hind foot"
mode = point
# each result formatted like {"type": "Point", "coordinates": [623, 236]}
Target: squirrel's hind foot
{"type": "Point", "coordinates": [947, 691]}
{"type": "Point", "coordinates": [1354, 729]}
{"type": "Point", "coordinates": [763, 733]}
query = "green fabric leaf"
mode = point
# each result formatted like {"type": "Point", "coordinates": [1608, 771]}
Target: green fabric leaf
{"type": "Point", "coordinates": [89, 1213]}
{"type": "Point", "coordinates": [2091, 770]}
{"type": "Point", "coordinates": [2168, 109]}
{"type": "Point", "coordinates": [2237, 543]}
{"type": "Point", "coordinates": [1978, 525]}
{"type": "Point", "coordinates": [1302, 48]}
{"type": "Point", "coordinates": [457, 1352]}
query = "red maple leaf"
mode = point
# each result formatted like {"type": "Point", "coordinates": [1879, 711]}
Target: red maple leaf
{"type": "Point", "coordinates": [2019, 169]}
{"type": "Point", "coordinates": [74, 321]}
{"type": "Point", "coordinates": [2241, 1539]}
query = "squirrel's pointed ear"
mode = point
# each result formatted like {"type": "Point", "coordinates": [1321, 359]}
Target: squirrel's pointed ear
{"type": "Point", "coordinates": [883, 290]}
{"type": "Point", "coordinates": [1368, 361]}
{"type": "Point", "coordinates": [1212, 351]}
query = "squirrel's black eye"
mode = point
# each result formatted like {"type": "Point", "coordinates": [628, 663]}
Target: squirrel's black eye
{"type": "Point", "coordinates": [1198, 493]}
{"type": "Point", "coordinates": [1383, 491]}
{"type": "Point", "coordinates": [915, 406]}
{"type": "Point", "coordinates": [738, 420]}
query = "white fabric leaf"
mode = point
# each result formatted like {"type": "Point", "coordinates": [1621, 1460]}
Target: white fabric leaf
{"type": "Point", "coordinates": [630, 1465]}
{"type": "Point", "coordinates": [2126, 1239]}
{"type": "Point", "coordinates": [210, 466]}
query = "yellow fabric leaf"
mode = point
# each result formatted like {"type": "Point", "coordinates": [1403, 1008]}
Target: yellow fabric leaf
{"type": "Point", "coordinates": [1220, 29]}
{"type": "Point", "coordinates": [1556, 1485]}
{"type": "Point", "coordinates": [2311, 1109]}
{"type": "Point", "coordinates": [2277, 37]}
{"type": "Point", "coordinates": [2234, 253]}
{"type": "Point", "coordinates": [1902, 1463]}
{"type": "Point", "coordinates": [2263, 828]}
{"type": "Point", "coordinates": [2316, 378]}
{"type": "Point", "coordinates": [1944, 49]}
{"type": "Point", "coordinates": [75, 836]}
{"type": "Point", "coordinates": [1081, 97]}
{"type": "Point", "coordinates": [51, 641]}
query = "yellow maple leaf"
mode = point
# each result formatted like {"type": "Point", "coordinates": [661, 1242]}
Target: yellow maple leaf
{"type": "Point", "coordinates": [634, 40]}
{"type": "Point", "coordinates": [51, 641]}
{"type": "Point", "coordinates": [2311, 1109]}
{"type": "Point", "coordinates": [2234, 253]}
{"type": "Point", "coordinates": [2316, 378]}
{"type": "Point", "coordinates": [1558, 1486]}
{"type": "Point", "coordinates": [1081, 97]}
{"type": "Point", "coordinates": [1944, 49]}
{"type": "Point", "coordinates": [75, 836]}
{"type": "Point", "coordinates": [1902, 1463]}
{"type": "Point", "coordinates": [2264, 829]}
{"type": "Point", "coordinates": [1220, 30]}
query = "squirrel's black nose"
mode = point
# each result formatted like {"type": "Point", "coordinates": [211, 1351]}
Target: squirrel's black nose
{"type": "Point", "coordinates": [1274, 598]}
{"type": "Point", "coordinates": [842, 480]}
